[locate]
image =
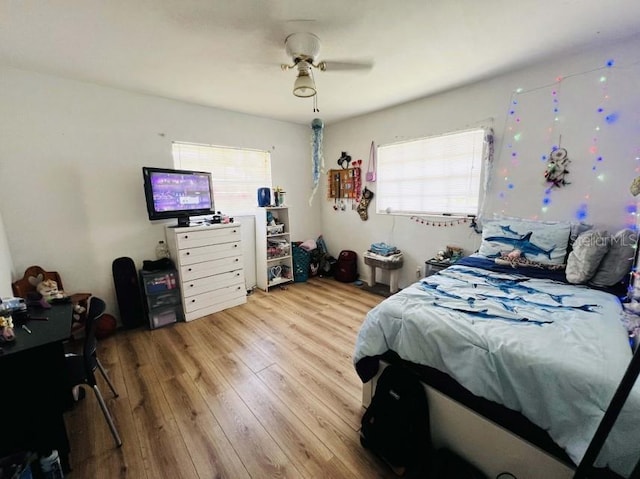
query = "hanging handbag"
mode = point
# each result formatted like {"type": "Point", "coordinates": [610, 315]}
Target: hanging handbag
{"type": "Point", "coordinates": [371, 167]}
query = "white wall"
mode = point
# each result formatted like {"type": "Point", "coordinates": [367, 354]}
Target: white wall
{"type": "Point", "coordinates": [488, 104]}
{"type": "Point", "coordinates": [6, 264]}
{"type": "Point", "coordinates": [71, 184]}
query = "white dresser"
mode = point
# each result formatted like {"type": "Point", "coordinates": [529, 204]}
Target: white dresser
{"type": "Point", "coordinates": [210, 266]}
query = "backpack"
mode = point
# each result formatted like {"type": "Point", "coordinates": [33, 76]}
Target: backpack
{"type": "Point", "coordinates": [395, 426]}
{"type": "Point", "coordinates": [347, 266]}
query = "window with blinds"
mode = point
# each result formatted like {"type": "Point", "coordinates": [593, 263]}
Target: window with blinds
{"type": "Point", "coordinates": [237, 173]}
{"type": "Point", "coordinates": [436, 175]}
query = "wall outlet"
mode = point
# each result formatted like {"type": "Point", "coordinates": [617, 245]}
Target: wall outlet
{"type": "Point", "coordinates": [418, 272]}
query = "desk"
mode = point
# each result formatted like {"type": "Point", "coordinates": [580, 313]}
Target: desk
{"type": "Point", "coordinates": [34, 393]}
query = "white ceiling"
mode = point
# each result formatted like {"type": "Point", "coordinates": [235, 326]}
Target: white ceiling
{"type": "Point", "coordinates": [227, 54]}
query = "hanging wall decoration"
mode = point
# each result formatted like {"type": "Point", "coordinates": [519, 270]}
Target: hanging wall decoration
{"type": "Point", "coordinates": [371, 167]}
{"type": "Point", "coordinates": [557, 168]}
{"type": "Point", "coordinates": [317, 160]}
{"type": "Point", "coordinates": [367, 196]}
{"type": "Point", "coordinates": [344, 186]}
{"type": "Point", "coordinates": [344, 160]}
{"type": "Point", "coordinates": [440, 222]}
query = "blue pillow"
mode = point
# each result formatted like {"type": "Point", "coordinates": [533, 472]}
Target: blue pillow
{"type": "Point", "coordinates": [538, 241]}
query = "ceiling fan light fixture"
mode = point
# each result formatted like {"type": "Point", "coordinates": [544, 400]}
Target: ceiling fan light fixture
{"type": "Point", "coordinates": [304, 85]}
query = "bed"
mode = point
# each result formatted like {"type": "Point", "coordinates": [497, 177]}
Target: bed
{"type": "Point", "coordinates": [523, 339]}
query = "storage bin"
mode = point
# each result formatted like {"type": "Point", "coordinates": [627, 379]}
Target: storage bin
{"type": "Point", "coordinates": [300, 263]}
{"type": "Point", "coordinates": [275, 229]}
{"type": "Point", "coordinates": [277, 249]}
{"type": "Point", "coordinates": [171, 298]}
{"type": "Point", "coordinates": [164, 317]}
{"type": "Point", "coordinates": [156, 282]}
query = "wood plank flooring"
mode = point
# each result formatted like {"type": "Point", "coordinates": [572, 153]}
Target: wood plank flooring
{"type": "Point", "coordinates": [265, 389]}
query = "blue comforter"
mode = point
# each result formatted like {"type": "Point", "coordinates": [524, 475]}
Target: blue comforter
{"type": "Point", "coordinates": [553, 351]}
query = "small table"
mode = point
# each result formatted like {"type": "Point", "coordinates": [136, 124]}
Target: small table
{"type": "Point", "coordinates": [433, 265]}
{"type": "Point", "coordinates": [392, 263]}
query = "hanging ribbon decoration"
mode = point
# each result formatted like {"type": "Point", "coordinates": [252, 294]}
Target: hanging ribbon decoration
{"type": "Point", "coordinates": [439, 223]}
{"type": "Point", "coordinates": [317, 158]}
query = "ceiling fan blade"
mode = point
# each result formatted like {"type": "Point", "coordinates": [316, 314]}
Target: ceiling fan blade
{"type": "Point", "coordinates": [337, 66]}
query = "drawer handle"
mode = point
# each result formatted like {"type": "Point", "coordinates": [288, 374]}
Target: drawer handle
{"type": "Point", "coordinates": [189, 269]}
{"type": "Point", "coordinates": [236, 260]}
{"type": "Point", "coordinates": [238, 288]}
{"type": "Point", "coordinates": [193, 300]}
{"type": "Point", "coordinates": [191, 285]}
{"type": "Point", "coordinates": [237, 274]}
{"type": "Point", "coordinates": [235, 245]}
{"type": "Point", "coordinates": [186, 236]}
{"type": "Point", "coordinates": [235, 231]}
{"type": "Point", "coordinates": [187, 253]}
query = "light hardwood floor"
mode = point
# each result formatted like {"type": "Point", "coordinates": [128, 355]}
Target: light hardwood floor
{"type": "Point", "coordinates": [265, 389]}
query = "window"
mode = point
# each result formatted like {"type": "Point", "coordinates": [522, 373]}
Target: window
{"type": "Point", "coordinates": [237, 173]}
{"type": "Point", "coordinates": [436, 175]}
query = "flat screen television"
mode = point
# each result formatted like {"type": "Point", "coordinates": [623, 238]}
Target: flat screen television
{"type": "Point", "coordinates": [177, 194]}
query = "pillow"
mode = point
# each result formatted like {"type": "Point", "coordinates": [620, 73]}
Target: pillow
{"type": "Point", "coordinates": [537, 241]}
{"type": "Point", "coordinates": [618, 261]}
{"type": "Point", "coordinates": [577, 228]}
{"type": "Point", "coordinates": [588, 251]}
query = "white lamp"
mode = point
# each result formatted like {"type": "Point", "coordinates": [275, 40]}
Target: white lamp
{"type": "Point", "coordinates": [304, 85]}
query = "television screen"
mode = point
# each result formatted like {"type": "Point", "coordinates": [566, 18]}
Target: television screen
{"type": "Point", "coordinates": [177, 193]}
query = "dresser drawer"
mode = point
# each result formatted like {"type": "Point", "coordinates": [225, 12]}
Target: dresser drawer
{"type": "Point", "coordinates": [209, 268]}
{"type": "Point", "coordinates": [210, 283]}
{"type": "Point", "coordinates": [196, 239]}
{"type": "Point", "coordinates": [208, 253]}
{"type": "Point", "coordinates": [212, 298]}
{"type": "Point", "coordinates": [230, 303]}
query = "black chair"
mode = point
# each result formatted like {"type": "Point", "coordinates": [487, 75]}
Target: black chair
{"type": "Point", "coordinates": [81, 368]}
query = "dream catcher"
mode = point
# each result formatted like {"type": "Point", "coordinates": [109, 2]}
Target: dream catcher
{"type": "Point", "coordinates": [557, 168]}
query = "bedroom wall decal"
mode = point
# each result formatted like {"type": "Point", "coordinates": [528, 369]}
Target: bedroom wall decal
{"type": "Point", "coordinates": [595, 114]}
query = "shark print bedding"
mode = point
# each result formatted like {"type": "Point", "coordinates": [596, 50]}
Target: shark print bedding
{"type": "Point", "coordinates": [553, 351]}
{"type": "Point", "coordinates": [537, 241]}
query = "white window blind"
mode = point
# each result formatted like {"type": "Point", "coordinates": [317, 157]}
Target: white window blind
{"type": "Point", "coordinates": [435, 175]}
{"type": "Point", "coordinates": [237, 173]}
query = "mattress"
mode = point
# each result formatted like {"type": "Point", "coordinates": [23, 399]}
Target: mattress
{"type": "Point", "coordinates": [552, 351]}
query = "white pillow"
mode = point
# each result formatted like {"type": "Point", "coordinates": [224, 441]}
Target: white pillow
{"type": "Point", "coordinates": [542, 242]}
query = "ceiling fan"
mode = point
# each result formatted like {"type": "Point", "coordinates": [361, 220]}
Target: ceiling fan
{"type": "Point", "coordinates": [303, 48]}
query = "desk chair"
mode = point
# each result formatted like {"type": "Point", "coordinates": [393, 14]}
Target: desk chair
{"type": "Point", "coordinates": [25, 288]}
{"type": "Point", "coordinates": [81, 368]}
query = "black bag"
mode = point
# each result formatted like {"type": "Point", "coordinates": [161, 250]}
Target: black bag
{"type": "Point", "coordinates": [395, 426]}
{"type": "Point", "coordinates": [347, 266]}
{"type": "Point", "coordinates": [128, 294]}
